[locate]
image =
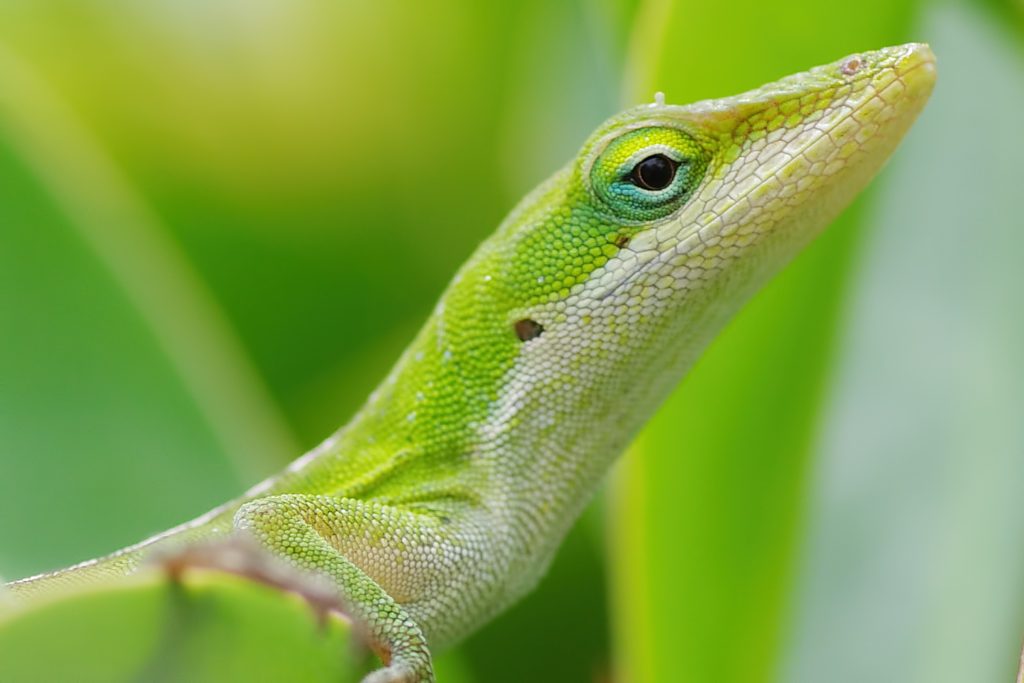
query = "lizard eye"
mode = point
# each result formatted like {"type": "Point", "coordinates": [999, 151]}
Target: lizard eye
{"type": "Point", "coordinates": [656, 172]}
{"type": "Point", "coordinates": [647, 173]}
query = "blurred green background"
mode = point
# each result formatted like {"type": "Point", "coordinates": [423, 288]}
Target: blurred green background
{"type": "Point", "coordinates": [221, 221]}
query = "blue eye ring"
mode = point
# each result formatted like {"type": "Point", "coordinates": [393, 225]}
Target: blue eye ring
{"type": "Point", "coordinates": [647, 173]}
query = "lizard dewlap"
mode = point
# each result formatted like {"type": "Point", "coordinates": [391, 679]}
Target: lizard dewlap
{"type": "Point", "coordinates": [446, 496]}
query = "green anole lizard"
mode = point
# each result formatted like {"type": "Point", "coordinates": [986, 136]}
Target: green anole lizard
{"type": "Point", "coordinates": [446, 496]}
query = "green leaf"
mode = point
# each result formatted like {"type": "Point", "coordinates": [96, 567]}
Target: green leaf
{"type": "Point", "coordinates": [710, 503]}
{"type": "Point", "coordinates": [209, 627]}
{"type": "Point", "coordinates": [84, 393]}
{"type": "Point", "coordinates": [915, 566]}
{"type": "Point", "coordinates": [132, 245]}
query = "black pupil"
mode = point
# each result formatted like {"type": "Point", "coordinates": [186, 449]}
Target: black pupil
{"type": "Point", "coordinates": [654, 173]}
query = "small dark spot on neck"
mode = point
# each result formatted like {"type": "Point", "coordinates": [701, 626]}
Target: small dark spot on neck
{"type": "Point", "coordinates": [622, 241]}
{"type": "Point", "coordinates": [527, 329]}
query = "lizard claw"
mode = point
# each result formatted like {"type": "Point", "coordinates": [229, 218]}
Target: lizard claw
{"type": "Point", "coordinates": [396, 674]}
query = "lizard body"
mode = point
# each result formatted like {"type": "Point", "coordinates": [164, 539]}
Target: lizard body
{"type": "Point", "coordinates": [445, 497]}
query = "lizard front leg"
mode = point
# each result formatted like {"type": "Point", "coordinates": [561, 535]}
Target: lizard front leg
{"type": "Point", "coordinates": [378, 556]}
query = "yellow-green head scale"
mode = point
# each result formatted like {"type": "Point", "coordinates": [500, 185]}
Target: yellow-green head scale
{"type": "Point", "coordinates": [558, 338]}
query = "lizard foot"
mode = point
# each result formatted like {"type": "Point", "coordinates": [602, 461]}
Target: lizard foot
{"type": "Point", "coordinates": [243, 557]}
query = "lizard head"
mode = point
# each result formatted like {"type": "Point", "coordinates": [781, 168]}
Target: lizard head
{"type": "Point", "coordinates": [733, 188]}
{"type": "Point", "coordinates": [618, 271]}
{"type": "Point", "coordinates": [595, 295]}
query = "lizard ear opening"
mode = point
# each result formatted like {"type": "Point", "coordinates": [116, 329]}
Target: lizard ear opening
{"type": "Point", "coordinates": [527, 329]}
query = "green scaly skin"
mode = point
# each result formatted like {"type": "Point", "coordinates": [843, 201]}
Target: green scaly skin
{"type": "Point", "coordinates": [445, 498]}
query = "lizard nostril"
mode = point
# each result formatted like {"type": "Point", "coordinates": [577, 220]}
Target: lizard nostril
{"type": "Point", "coordinates": [851, 66]}
{"type": "Point", "coordinates": [527, 329]}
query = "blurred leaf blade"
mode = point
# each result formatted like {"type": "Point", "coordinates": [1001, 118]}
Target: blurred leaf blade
{"type": "Point", "coordinates": [85, 388]}
{"type": "Point", "coordinates": [706, 529]}
{"type": "Point", "coordinates": [914, 554]}
{"type": "Point", "coordinates": [130, 241]}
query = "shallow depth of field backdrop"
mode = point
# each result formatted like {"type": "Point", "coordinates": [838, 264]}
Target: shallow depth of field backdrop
{"type": "Point", "coordinates": [220, 222]}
